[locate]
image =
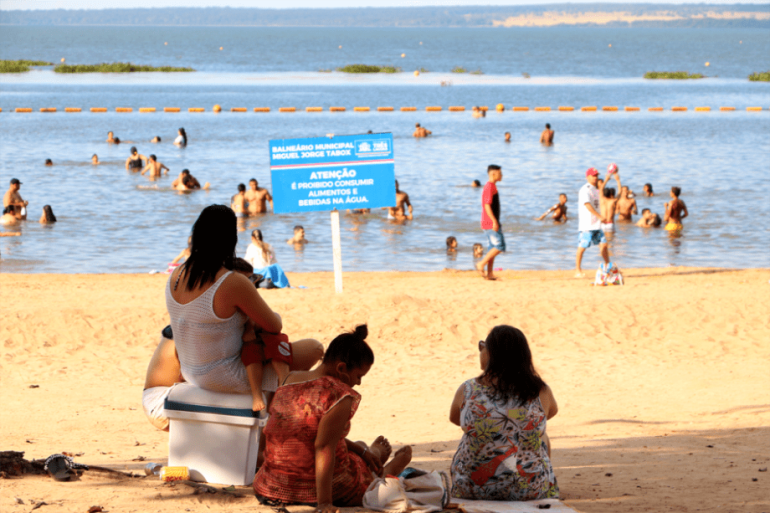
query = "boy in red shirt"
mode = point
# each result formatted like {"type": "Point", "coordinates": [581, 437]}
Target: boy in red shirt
{"type": "Point", "coordinates": [490, 221]}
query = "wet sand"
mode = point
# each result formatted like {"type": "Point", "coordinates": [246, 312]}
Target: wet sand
{"type": "Point", "coordinates": [662, 384]}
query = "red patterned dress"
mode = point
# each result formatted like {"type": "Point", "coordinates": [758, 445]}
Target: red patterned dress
{"type": "Point", "coordinates": [288, 473]}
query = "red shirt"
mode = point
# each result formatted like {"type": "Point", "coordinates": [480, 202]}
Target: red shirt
{"type": "Point", "coordinates": [489, 197]}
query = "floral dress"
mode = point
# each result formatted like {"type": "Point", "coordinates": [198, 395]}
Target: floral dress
{"type": "Point", "coordinates": [502, 455]}
{"type": "Point", "coordinates": [288, 473]}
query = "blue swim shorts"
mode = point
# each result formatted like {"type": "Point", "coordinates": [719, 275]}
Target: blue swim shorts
{"type": "Point", "coordinates": [496, 240]}
{"type": "Point", "coordinates": [591, 238]}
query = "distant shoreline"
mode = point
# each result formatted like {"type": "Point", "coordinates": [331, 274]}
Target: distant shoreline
{"type": "Point", "coordinates": [550, 15]}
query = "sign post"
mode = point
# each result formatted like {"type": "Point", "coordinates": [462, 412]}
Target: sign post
{"type": "Point", "coordinates": [333, 173]}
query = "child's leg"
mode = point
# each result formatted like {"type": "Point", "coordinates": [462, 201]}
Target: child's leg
{"type": "Point", "coordinates": [254, 372]}
{"type": "Point", "coordinates": [252, 356]}
{"type": "Point", "coordinates": [281, 368]}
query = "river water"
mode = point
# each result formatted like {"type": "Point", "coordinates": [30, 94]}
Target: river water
{"type": "Point", "coordinates": [110, 221]}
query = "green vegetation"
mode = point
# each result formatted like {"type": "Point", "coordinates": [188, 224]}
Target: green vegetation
{"type": "Point", "coordinates": [115, 67]}
{"type": "Point", "coordinates": [459, 69]}
{"type": "Point", "coordinates": [477, 72]}
{"type": "Point", "coordinates": [760, 77]}
{"type": "Point", "coordinates": [673, 75]}
{"type": "Point", "coordinates": [324, 71]}
{"type": "Point", "coordinates": [525, 75]}
{"type": "Point", "coordinates": [364, 68]}
{"type": "Point", "coordinates": [423, 70]}
{"type": "Point", "coordinates": [19, 66]}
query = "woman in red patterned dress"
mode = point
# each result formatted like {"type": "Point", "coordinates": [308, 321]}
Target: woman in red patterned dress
{"type": "Point", "coordinates": [307, 457]}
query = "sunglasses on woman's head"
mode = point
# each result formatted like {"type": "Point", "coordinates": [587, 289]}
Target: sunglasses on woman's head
{"type": "Point", "coordinates": [482, 345]}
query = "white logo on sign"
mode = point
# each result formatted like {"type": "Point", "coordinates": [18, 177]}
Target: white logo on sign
{"type": "Point", "coordinates": [364, 147]}
{"type": "Point", "coordinates": [380, 146]}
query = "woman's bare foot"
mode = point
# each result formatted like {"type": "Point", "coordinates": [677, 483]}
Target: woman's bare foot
{"type": "Point", "coordinates": [399, 462]}
{"type": "Point", "coordinates": [381, 448]}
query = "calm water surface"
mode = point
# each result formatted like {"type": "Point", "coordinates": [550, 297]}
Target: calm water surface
{"type": "Point", "coordinates": [110, 222]}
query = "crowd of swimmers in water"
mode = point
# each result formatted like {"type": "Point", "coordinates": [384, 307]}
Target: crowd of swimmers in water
{"type": "Point", "coordinates": [253, 201]}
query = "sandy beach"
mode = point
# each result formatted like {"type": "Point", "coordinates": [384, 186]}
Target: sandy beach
{"type": "Point", "coordinates": [662, 384]}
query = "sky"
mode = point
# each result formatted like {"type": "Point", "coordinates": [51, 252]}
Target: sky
{"type": "Point", "coordinates": [288, 4]}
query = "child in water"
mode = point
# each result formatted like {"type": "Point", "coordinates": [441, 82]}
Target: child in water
{"type": "Point", "coordinates": [451, 244]}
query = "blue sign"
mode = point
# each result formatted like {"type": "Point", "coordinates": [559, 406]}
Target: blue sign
{"type": "Point", "coordinates": [328, 173]}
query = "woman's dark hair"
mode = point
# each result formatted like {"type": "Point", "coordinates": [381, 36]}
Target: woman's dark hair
{"type": "Point", "coordinates": [116, 140]}
{"type": "Point", "coordinates": [510, 363]}
{"type": "Point", "coordinates": [48, 162]}
{"type": "Point", "coordinates": [134, 150]}
{"type": "Point", "coordinates": [656, 221]}
{"type": "Point", "coordinates": [214, 236]}
{"type": "Point", "coordinates": [48, 211]}
{"type": "Point", "coordinates": [350, 349]}
{"type": "Point", "coordinates": [184, 136]}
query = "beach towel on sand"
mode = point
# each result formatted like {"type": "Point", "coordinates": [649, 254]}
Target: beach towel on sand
{"type": "Point", "coordinates": [275, 274]}
{"type": "Point", "coordinates": [550, 505]}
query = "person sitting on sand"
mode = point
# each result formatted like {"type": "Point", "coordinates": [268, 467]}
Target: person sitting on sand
{"type": "Point", "coordinates": [451, 244]}
{"type": "Point", "coordinates": [229, 300]}
{"type": "Point", "coordinates": [626, 206]}
{"type": "Point", "coordinates": [257, 198]}
{"type": "Point", "coordinates": [136, 161]}
{"type": "Point", "coordinates": [420, 131]}
{"type": "Point", "coordinates": [238, 201]}
{"type": "Point", "coordinates": [298, 239]}
{"type": "Point", "coordinates": [155, 139]}
{"type": "Point", "coordinates": [47, 217]}
{"type": "Point", "coordinates": [95, 159]}
{"type": "Point", "coordinates": [307, 457]}
{"type": "Point", "coordinates": [165, 370]}
{"type": "Point", "coordinates": [559, 210]}
{"type": "Point", "coordinates": [504, 453]}
{"type": "Point", "coordinates": [546, 137]}
{"type": "Point", "coordinates": [676, 210]}
{"type": "Point", "coordinates": [261, 256]}
{"type": "Point", "coordinates": [648, 190]}
{"type": "Point", "coordinates": [9, 216]}
{"type": "Point", "coordinates": [155, 168]}
{"type": "Point", "coordinates": [48, 162]}
{"type": "Point", "coordinates": [478, 251]}
{"type": "Point", "coordinates": [181, 139]}
{"type": "Point", "coordinates": [259, 253]}
{"type": "Point", "coordinates": [403, 205]}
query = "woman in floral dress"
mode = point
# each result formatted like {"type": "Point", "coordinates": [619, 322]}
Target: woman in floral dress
{"type": "Point", "coordinates": [504, 453]}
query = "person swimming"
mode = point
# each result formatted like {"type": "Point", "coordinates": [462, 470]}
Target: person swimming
{"type": "Point", "coordinates": [451, 244]}
{"type": "Point", "coordinates": [181, 139]}
{"type": "Point", "coordinates": [48, 162]}
{"type": "Point", "coordinates": [95, 159]}
{"type": "Point", "coordinates": [136, 161]}
{"type": "Point", "coordinates": [155, 139]}
{"type": "Point", "coordinates": [47, 217]}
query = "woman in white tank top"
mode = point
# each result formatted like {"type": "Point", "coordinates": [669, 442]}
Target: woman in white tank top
{"type": "Point", "coordinates": [209, 305]}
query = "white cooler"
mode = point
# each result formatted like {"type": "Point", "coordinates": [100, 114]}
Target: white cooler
{"type": "Point", "coordinates": [214, 435]}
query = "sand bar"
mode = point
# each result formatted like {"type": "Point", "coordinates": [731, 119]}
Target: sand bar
{"type": "Point", "coordinates": [662, 384]}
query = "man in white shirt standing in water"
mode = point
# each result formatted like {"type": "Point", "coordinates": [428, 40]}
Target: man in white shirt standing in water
{"type": "Point", "coordinates": [590, 220]}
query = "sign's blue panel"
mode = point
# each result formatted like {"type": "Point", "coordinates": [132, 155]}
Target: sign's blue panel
{"type": "Point", "coordinates": [328, 173]}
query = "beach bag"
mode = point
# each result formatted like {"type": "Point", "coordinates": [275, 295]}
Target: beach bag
{"type": "Point", "coordinates": [424, 493]}
{"type": "Point", "coordinates": [608, 275]}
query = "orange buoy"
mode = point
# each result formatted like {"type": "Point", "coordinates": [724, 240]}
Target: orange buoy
{"type": "Point", "coordinates": [542, 109]}
{"type": "Point", "coordinates": [239, 109]}
{"type": "Point", "coordinates": [361, 109]}
{"type": "Point", "coordinates": [500, 107]}
{"type": "Point", "coordinates": [520, 109]}
{"type": "Point", "coordinates": [314, 109]}
{"type": "Point", "coordinates": [217, 108]}
{"type": "Point", "coordinates": [261, 109]}
{"type": "Point", "coordinates": [384, 109]}
{"type": "Point", "coordinates": [590, 108]}
{"type": "Point", "coordinates": [196, 109]}
{"type": "Point", "coordinates": [287, 109]}
{"type": "Point", "coordinates": [416, 73]}
{"type": "Point", "coordinates": [336, 109]}
{"type": "Point", "coordinates": [146, 109]}
{"type": "Point", "coordinates": [408, 109]}
{"type": "Point", "coordinates": [433, 108]}
{"type": "Point", "coordinates": [566, 109]}
{"type": "Point", "coordinates": [171, 109]}
{"type": "Point", "coordinates": [98, 109]}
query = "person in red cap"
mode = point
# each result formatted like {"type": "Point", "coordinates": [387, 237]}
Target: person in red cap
{"type": "Point", "coordinates": [589, 218]}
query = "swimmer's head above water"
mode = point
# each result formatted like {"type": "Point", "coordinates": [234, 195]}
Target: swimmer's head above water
{"type": "Point", "coordinates": [241, 187]}
{"type": "Point", "coordinates": [254, 184]}
{"type": "Point", "coordinates": [563, 198]}
{"type": "Point", "coordinates": [478, 250]}
{"type": "Point", "coordinates": [155, 139]}
{"type": "Point", "coordinates": [134, 151]}
{"type": "Point", "coordinates": [476, 183]}
{"type": "Point", "coordinates": [507, 137]}
{"type": "Point", "coordinates": [48, 162]}
{"type": "Point", "coordinates": [94, 159]}
{"type": "Point", "coordinates": [451, 243]}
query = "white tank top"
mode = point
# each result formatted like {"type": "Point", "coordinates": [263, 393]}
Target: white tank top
{"type": "Point", "coordinates": [209, 347]}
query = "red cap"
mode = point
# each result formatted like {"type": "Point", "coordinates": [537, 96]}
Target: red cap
{"type": "Point", "coordinates": [592, 171]}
